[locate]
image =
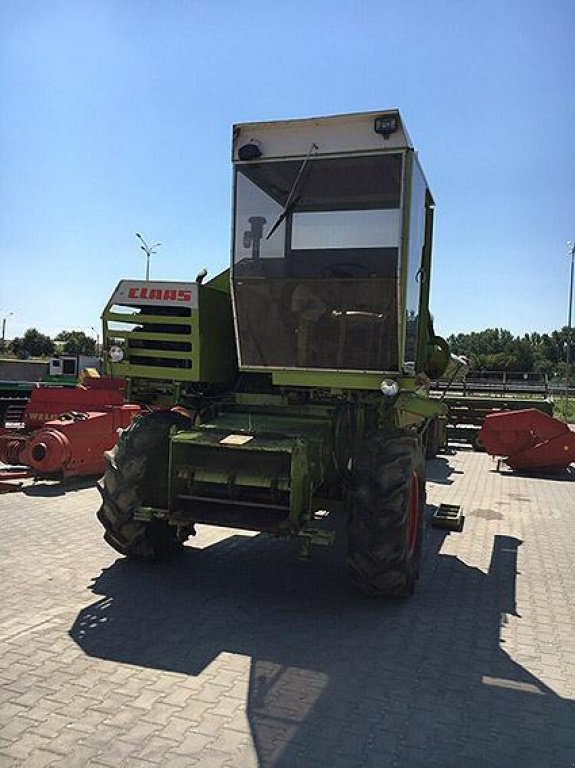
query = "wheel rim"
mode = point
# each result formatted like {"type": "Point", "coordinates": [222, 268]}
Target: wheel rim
{"type": "Point", "coordinates": [412, 513]}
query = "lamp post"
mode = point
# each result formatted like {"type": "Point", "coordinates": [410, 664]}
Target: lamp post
{"type": "Point", "coordinates": [4, 328]}
{"type": "Point", "coordinates": [148, 250]}
{"type": "Point", "coordinates": [571, 247]}
{"type": "Point", "coordinates": [97, 340]}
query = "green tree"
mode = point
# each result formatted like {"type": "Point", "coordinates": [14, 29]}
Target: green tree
{"type": "Point", "coordinates": [496, 349]}
{"type": "Point", "coordinates": [77, 343]}
{"type": "Point", "coordinates": [32, 344]}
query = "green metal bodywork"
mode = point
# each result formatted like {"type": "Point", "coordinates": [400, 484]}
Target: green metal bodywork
{"type": "Point", "coordinates": [332, 380]}
{"type": "Point", "coordinates": [413, 408]}
{"type": "Point", "coordinates": [210, 339]}
{"type": "Point", "coordinates": [268, 462]}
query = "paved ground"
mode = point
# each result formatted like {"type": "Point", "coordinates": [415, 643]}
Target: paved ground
{"type": "Point", "coordinates": [241, 655]}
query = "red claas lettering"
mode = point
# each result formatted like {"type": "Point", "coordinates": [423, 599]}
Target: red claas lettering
{"type": "Point", "coordinates": [157, 294]}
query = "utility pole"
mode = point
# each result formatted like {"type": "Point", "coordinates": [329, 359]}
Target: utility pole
{"type": "Point", "coordinates": [571, 247]}
{"type": "Point", "coordinates": [148, 250]}
{"type": "Point", "coordinates": [4, 328]}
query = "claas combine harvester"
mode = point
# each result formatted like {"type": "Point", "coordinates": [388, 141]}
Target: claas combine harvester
{"type": "Point", "coordinates": [300, 375]}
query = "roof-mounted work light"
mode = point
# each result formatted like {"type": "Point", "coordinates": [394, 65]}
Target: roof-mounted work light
{"type": "Point", "coordinates": [386, 125]}
{"type": "Point", "coordinates": [250, 151]}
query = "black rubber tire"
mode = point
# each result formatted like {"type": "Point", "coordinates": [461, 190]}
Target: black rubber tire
{"type": "Point", "coordinates": [386, 471]}
{"type": "Point", "coordinates": [432, 439]}
{"type": "Point", "coordinates": [137, 475]}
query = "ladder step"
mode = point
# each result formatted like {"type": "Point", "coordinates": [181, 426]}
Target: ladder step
{"type": "Point", "coordinates": [449, 517]}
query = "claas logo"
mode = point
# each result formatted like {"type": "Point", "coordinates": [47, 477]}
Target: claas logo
{"type": "Point", "coordinates": [160, 294]}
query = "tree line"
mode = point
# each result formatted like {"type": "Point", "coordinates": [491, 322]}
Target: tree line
{"type": "Point", "coordinates": [497, 349]}
{"type": "Point", "coordinates": [36, 344]}
{"type": "Point", "coordinates": [493, 349]}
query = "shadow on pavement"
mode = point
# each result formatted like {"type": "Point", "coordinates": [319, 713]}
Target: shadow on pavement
{"type": "Point", "coordinates": [439, 470]}
{"type": "Point", "coordinates": [338, 679]}
{"type": "Point", "coordinates": [52, 488]}
{"type": "Point", "coordinates": [564, 475]}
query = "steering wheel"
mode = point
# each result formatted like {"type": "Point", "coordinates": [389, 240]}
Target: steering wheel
{"type": "Point", "coordinates": [344, 269]}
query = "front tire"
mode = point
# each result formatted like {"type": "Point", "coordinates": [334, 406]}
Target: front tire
{"type": "Point", "coordinates": [137, 475]}
{"type": "Point", "coordinates": [385, 529]}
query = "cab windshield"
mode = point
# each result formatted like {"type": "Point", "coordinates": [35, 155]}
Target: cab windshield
{"type": "Point", "coordinates": [316, 259]}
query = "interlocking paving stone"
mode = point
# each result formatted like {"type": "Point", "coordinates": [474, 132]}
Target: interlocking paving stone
{"type": "Point", "coordinates": [239, 654]}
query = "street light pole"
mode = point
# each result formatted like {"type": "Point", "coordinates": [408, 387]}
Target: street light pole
{"type": "Point", "coordinates": [571, 247]}
{"type": "Point", "coordinates": [4, 328]}
{"type": "Point", "coordinates": [97, 340]}
{"type": "Point", "coordinates": [149, 251]}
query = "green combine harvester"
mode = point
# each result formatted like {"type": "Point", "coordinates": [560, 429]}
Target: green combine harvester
{"type": "Point", "coordinates": [301, 374]}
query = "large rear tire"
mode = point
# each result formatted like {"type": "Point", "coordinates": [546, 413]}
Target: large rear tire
{"type": "Point", "coordinates": [137, 475]}
{"type": "Point", "coordinates": [385, 529]}
{"type": "Point", "coordinates": [431, 441]}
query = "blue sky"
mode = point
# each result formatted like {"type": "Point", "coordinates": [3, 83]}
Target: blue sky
{"type": "Point", "coordinates": [116, 118]}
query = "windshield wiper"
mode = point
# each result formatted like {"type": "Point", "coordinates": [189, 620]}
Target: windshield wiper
{"type": "Point", "coordinates": [286, 211]}
{"type": "Point", "coordinates": [292, 201]}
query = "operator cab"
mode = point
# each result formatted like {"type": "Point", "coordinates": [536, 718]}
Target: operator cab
{"type": "Point", "coordinates": [329, 243]}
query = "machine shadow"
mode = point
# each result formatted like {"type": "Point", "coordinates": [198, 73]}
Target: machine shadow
{"type": "Point", "coordinates": [53, 488]}
{"type": "Point", "coordinates": [336, 678]}
{"type": "Point", "coordinates": [439, 470]}
{"type": "Point", "coordinates": [561, 475]}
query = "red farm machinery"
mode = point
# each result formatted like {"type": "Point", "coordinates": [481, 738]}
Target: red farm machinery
{"type": "Point", "coordinates": [65, 431]}
{"type": "Point", "coordinates": [528, 440]}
